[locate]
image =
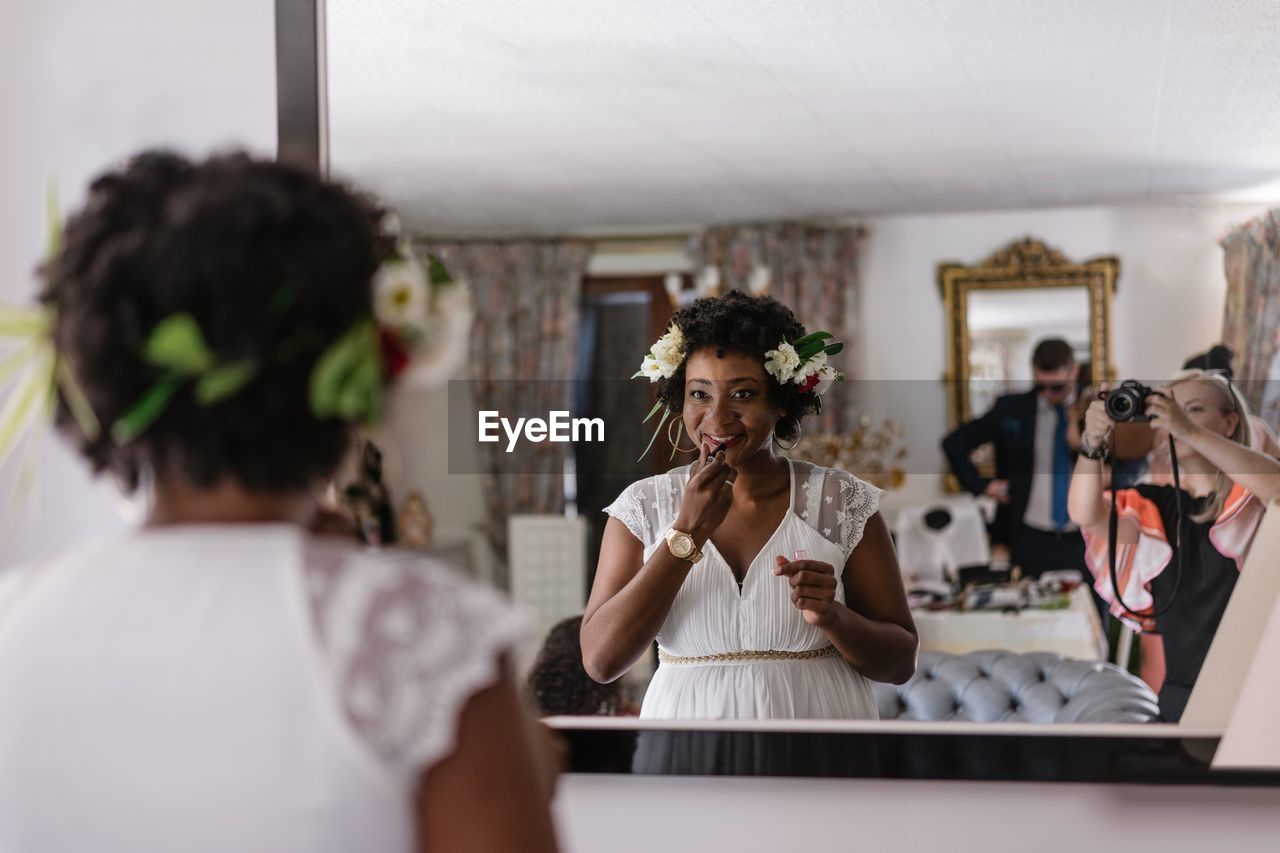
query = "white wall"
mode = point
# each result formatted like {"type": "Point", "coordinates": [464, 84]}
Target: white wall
{"type": "Point", "coordinates": [83, 84]}
{"type": "Point", "coordinates": [1168, 302]}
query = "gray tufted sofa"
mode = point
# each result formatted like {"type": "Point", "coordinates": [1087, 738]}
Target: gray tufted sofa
{"type": "Point", "coordinates": [1033, 687]}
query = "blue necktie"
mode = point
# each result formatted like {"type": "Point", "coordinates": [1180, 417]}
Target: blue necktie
{"type": "Point", "coordinates": [1061, 469]}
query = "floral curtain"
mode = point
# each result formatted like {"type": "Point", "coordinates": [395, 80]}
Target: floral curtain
{"type": "Point", "coordinates": [811, 269]}
{"type": "Point", "coordinates": [523, 350]}
{"type": "Point", "coordinates": [1251, 322]}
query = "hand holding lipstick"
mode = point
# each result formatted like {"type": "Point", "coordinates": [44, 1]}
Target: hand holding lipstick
{"type": "Point", "coordinates": [708, 496]}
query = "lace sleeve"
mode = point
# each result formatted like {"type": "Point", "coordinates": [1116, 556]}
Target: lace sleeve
{"type": "Point", "coordinates": [637, 508]}
{"type": "Point", "coordinates": [841, 504]}
{"type": "Point", "coordinates": [409, 641]}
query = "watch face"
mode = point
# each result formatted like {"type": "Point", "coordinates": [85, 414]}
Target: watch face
{"type": "Point", "coordinates": [682, 545]}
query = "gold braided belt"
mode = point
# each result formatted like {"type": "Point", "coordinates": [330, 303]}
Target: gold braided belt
{"type": "Point", "coordinates": [745, 657]}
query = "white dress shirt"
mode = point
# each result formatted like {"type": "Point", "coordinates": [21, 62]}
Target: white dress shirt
{"type": "Point", "coordinates": [1039, 512]}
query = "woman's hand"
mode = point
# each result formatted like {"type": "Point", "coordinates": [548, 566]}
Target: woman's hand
{"type": "Point", "coordinates": [707, 498]}
{"type": "Point", "coordinates": [813, 587]}
{"type": "Point", "coordinates": [1167, 415]}
{"type": "Point", "coordinates": [1098, 426]}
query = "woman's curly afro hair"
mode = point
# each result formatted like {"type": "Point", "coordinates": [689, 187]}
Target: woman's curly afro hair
{"type": "Point", "coordinates": [737, 322]}
{"type": "Point", "coordinates": [227, 241]}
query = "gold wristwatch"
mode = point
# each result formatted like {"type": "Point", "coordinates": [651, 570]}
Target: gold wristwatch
{"type": "Point", "coordinates": [681, 546]}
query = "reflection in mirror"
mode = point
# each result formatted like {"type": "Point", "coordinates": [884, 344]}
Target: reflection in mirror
{"type": "Point", "coordinates": [546, 156]}
{"type": "Point", "coordinates": [1004, 327]}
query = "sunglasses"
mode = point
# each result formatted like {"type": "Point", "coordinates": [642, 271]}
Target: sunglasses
{"type": "Point", "coordinates": [1055, 387]}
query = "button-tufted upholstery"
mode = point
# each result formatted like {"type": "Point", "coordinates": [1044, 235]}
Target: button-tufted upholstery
{"type": "Point", "coordinates": [1033, 687]}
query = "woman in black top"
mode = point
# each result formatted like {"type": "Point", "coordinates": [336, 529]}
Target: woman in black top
{"type": "Point", "coordinates": [1226, 487]}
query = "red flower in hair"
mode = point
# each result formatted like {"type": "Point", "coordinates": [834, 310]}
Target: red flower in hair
{"type": "Point", "coordinates": [809, 384]}
{"type": "Point", "coordinates": [395, 358]}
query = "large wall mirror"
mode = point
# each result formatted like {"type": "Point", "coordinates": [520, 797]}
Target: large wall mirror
{"type": "Point", "coordinates": [487, 121]}
{"type": "Point", "coordinates": [997, 310]}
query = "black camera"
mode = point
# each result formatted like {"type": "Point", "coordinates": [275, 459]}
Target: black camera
{"type": "Point", "coordinates": [1128, 402]}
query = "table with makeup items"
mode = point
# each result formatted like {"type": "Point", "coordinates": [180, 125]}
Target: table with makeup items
{"type": "Point", "coordinates": [1055, 614]}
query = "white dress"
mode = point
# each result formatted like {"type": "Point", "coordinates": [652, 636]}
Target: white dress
{"type": "Point", "coordinates": [246, 688]}
{"type": "Point", "coordinates": [711, 616]}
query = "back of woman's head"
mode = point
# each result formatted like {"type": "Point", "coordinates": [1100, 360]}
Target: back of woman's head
{"type": "Point", "coordinates": [1217, 358]}
{"type": "Point", "coordinates": [271, 262]}
{"type": "Point", "coordinates": [558, 682]}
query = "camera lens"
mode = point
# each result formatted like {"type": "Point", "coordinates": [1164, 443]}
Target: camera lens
{"type": "Point", "coordinates": [1122, 404]}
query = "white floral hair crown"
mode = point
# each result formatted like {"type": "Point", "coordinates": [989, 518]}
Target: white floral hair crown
{"type": "Point", "coordinates": [802, 362]}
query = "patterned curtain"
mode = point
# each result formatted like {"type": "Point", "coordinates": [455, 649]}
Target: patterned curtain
{"type": "Point", "coordinates": [1251, 322]}
{"type": "Point", "coordinates": [811, 269]}
{"type": "Point", "coordinates": [526, 298]}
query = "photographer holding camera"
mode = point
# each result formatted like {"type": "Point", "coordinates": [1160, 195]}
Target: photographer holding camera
{"type": "Point", "coordinates": [1224, 489]}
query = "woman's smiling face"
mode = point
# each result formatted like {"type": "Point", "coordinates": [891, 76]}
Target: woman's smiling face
{"type": "Point", "coordinates": [726, 404]}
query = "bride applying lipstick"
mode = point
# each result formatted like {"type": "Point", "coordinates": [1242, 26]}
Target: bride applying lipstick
{"type": "Point", "coordinates": [770, 584]}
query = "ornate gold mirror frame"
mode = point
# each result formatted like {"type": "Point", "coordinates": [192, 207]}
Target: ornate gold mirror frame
{"type": "Point", "coordinates": [1025, 264]}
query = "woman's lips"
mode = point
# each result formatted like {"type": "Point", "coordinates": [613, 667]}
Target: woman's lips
{"type": "Point", "coordinates": [725, 442]}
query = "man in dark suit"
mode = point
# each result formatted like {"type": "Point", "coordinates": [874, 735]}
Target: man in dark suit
{"type": "Point", "coordinates": [1033, 464]}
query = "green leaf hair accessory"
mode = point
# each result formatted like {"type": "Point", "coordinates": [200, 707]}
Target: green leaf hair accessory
{"type": "Point", "coordinates": [178, 347]}
{"type": "Point", "coordinates": [666, 413]}
{"type": "Point", "coordinates": [348, 382]}
{"type": "Point", "coordinates": [177, 344]}
{"type": "Point", "coordinates": [663, 360]}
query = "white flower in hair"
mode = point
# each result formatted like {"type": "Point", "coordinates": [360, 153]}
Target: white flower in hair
{"type": "Point", "coordinates": [669, 349]}
{"type": "Point", "coordinates": [812, 366]}
{"type": "Point", "coordinates": [664, 357]}
{"type": "Point", "coordinates": [402, 294]}
{"type": "Point", "coordinates": [781, 363]}
{"type": "Point", "coordinates": [827, 376]}
{"type": "Point", "coordinates": [652, 369]}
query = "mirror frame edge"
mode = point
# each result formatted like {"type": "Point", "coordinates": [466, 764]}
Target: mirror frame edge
{"type": "Point", "coordinates": [302, 118]}
{"type": "Point", "coordinates": [1027, 263]}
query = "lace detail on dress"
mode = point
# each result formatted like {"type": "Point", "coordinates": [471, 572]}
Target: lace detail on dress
{"type": "Point", "coordinates": [636, 508]}
{"type": "Point", "coordinates": [859, 500]}
{"type": "Point", "coordinates": [835, 503]}
{"type": "Point", "coordinates": [647, 506]}
{"type": "Point", "coordinates": [409, 642]}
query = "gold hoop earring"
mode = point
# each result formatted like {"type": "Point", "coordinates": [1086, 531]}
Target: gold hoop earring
{"type": "Point", "coordinates": [799, 432]}
{"type": "Point", "coordinates": [674, 441]}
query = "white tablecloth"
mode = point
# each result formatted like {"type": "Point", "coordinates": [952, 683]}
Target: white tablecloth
{"type": "Point", "coordinates": [1074, 632]}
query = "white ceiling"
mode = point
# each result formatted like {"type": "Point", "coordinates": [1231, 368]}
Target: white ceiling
{"type": "Point", "coordinates": [496, 115]}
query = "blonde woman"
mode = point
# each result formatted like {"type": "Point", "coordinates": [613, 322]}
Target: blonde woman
{"type": "Point", "coordinates": [1226, 487]}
